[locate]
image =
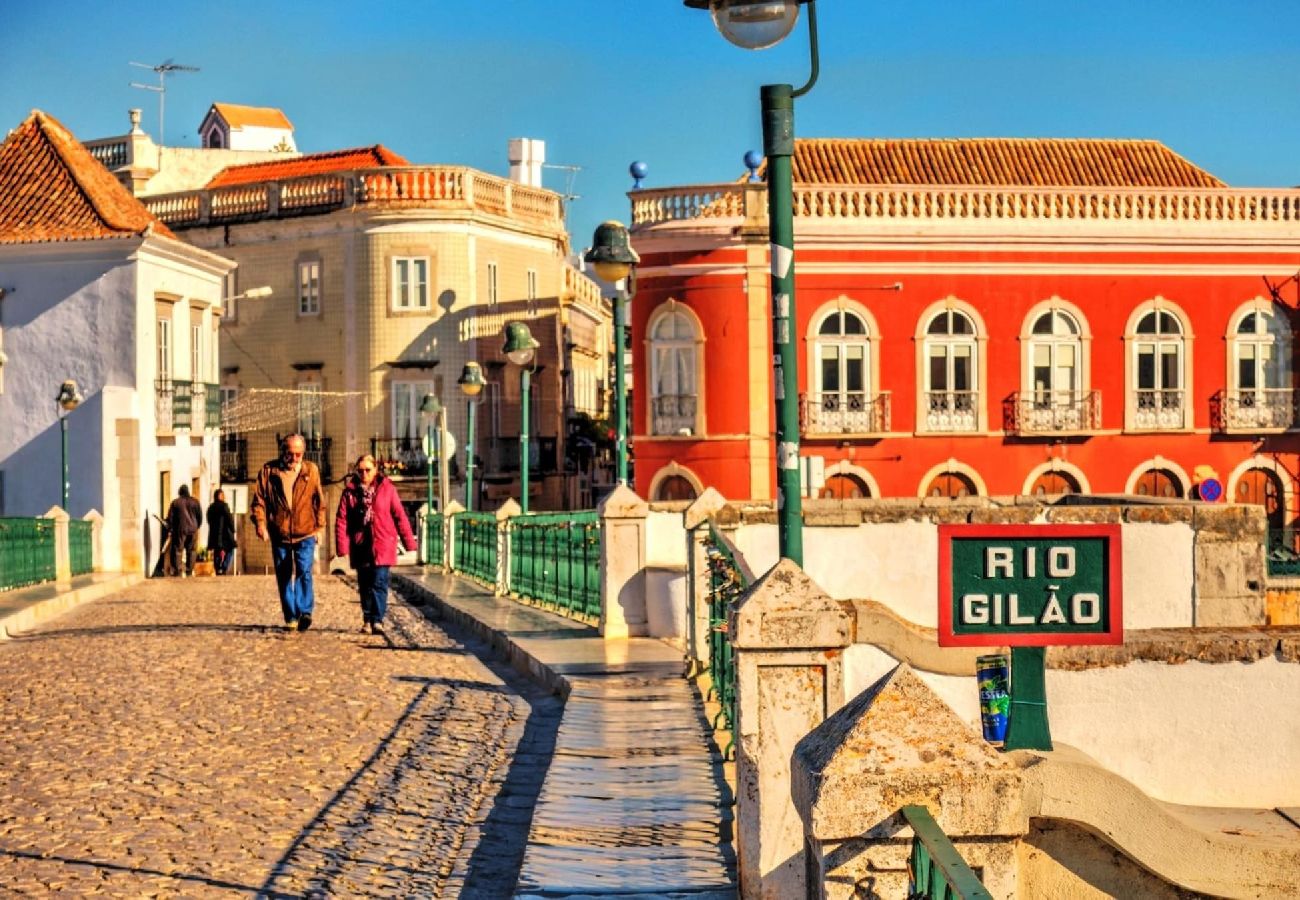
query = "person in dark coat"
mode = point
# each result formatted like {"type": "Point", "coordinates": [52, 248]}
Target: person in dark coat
{"type": "Point", "coordinates": [369, 522]}
{"type": "Point", "coordinates": [221, 532]}
{"type": "Point", "coordinates": [184, 517]}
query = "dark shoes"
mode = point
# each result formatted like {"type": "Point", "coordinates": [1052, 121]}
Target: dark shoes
{"type": "Point", "coordinates": [291, 625]}
{"type": "Point", "coordinates": [304, 622]}
{"type": "Point", "coordinates": [376, 628]}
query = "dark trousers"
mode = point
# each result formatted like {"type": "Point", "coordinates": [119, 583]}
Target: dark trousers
{"type": "Point", "coordinates": [183, 543]}
{"type": "Point", "coordinates": [221, 560]}
{"type": "Point", "coordinates": [372, 584]}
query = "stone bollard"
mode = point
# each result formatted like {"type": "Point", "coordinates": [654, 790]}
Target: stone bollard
{"type": "Point", "coordinates": [505, 512]}
{"type": "Point", "coordinates": [696, 520]}
{"type": "Point", "coordinates": [449, 534]}
{"type": "Point", "coordinates": [622, 564]}
{"type": "Point", "coordinates": [898, 744]}
{"type": "Point", "coordinates": [96, 539]}
{"type": "Point", "coordinates": [62, 554]}
{"type": "Point", "coordinates": [789, 639]}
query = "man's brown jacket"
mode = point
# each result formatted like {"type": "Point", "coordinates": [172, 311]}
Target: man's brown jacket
{"type": "Point", "coordinates": [288, 521]}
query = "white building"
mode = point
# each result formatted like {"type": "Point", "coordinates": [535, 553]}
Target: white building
{"type": "Point", "coordinates": [228, 126]}
{"type": "Point", "coordinates": [93, 288]}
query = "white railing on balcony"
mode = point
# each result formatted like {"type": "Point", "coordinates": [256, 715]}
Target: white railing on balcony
{"type": "Point", "coordinates": [112, 152]}
{"type": "Point", "coordinates": [952, 410]}
{"type": "Point", "coordinates": [1053, 412]}
{"type": "Point", "coordinates": [925, 202]}
{"type": "Point", "coordinates": [1258, 409]}
{"type": "Point", "coordinates": [1157, 410]}
{"type": "Point", "coordinates": [581, 289]}
{"type": "Point", "coordinates": [844, 412]}
{"type": "Point", "coordinates": [673, 414]}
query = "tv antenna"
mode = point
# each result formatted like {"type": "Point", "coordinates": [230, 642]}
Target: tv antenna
{"type": "Point", "coordinates": [163, 69]}
{"type": "Point", "coordinates": [570, 176]}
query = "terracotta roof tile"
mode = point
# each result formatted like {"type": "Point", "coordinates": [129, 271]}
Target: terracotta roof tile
{"type": "Point", "coordinates": [237, 116]}
{"type": "Point", "coordinates": [311, 164]}
{"type": "Point", "coordinates": [1044, 162]}
{"type": "Point", "coordinates": [52, 189]}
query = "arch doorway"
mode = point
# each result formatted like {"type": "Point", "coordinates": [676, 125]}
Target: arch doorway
{"type": "Point", "coordinates": [1052, 483]}
{"type": "Point", "coordinates": [951, 484]}
{"type": "Point", "coordinates": [843, 486]}
{"type": "Point", "coordinates": [1262, 487]}
{"type": "Point", "coordinates": [1159, 483]}
{"type": "Point", "coordinates": [675, 487]}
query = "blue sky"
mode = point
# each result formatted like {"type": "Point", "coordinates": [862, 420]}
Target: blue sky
{"type": "Point", "coordinates": [605, 82]}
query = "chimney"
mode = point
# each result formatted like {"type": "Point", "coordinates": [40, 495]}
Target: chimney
{"type": "Point", "coordinates": [526, 158]}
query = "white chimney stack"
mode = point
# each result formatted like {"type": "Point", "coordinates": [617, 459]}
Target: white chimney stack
{"type": "Point", "coordinates": [526, 158]}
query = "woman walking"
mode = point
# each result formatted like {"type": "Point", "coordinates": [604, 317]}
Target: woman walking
{"type": "Point", "coordinates": [369, 521]}
{"type": "Point", "coordinates": [221, 532]}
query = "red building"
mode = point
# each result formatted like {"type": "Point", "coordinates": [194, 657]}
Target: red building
{"type": "Point", "coordinates": [991, 317]}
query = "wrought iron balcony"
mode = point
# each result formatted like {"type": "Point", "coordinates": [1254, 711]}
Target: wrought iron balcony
{"type": "Point", "coordinates": [1258, 409]}
{"type": "Point", "coordinates": [952, 411]}
{"type": "Point", "coordinates": [1158, 410]}
{"type": "Point", "coordinates": [844, 412]}
{"type": "Point", "coordinates": [673, 414]}
{"type": "Point", "coordinates": [401, 457]}
{"type": "Point", "coordinates": [1054, 412]}
{"type": "Point", "coordinates": [234, 458]}
{"type": "Point", "coordinates": [180, 405]}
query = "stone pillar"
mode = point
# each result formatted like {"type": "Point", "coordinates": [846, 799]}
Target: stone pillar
{"type": "Point", "coordinates": [505, 512]}
{"type": "Point", "coordinates": [898, 744]}
{"type": "Point", "coordinates": [789, 639]}
{"type": "Point", "coordinates": [622, 563]}
{"type": "Point", "coordinates": [62, 556]}
{"type": "Point", "coordinates": [96, 539]}
{"type": "Point", "coordinates": [696, 520]}
{"type": "Point", "coordinates": [449, 533]}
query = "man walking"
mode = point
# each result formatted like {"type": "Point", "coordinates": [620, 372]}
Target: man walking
{"type": "Point", "coordinates": [288, 508]}
{"type": "Point", "coordinates": [183, 519]}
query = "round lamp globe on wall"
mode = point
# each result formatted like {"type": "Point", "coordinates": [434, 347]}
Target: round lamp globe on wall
{"type": "Point", "coordinates": [752, 24]}
{"type": "Point", "coordinates": [520, 344]}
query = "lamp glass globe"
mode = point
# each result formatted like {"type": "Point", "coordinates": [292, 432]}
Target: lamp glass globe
{"type": "Point", "coordinates": [755, 24]}
{"type": "Point", "coordinates": [521, 357]}
{"type": "Point", "coordinates": [611, 271]}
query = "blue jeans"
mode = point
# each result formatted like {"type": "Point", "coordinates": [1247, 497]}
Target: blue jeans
{"type": "Point", "coordinates": [372, 583]}
{"type": "Point", "coordinates": [293, 577]}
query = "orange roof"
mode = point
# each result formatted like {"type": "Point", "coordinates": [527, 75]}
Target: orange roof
{"type": "Point", "coordinates": [311, 164]}
{"type": "Point", "coordinates": [52, 189]}
{"type": "Point", "coordinates": [1044, 162]}
{"type": "Point", "coordinates": [237, 116]}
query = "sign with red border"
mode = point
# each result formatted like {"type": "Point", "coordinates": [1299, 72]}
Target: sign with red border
{"type": "Point", "coordinates": [1030, 585]}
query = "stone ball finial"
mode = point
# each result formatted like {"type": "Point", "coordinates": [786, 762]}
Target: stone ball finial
{"type": "Point", "coordinates": [638, 172]}
{"type": "Point", "coordinates": [753, 159]}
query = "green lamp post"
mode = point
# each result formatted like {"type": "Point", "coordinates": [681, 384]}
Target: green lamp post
{"type": "Point", "coordinates": [755, 25]}
{"type": "Point", "coordinates": [614, 260]}
{"type": "Point", "coordinates": [69, 399]}
{"type": "Point", "coordinates": [471, 384]}
{"type": "Point", "coordinates": [429, 408]}
{"type": "Point", "coordinates": [521, 349]}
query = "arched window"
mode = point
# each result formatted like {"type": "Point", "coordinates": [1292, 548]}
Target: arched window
{"type": "Point", "coordinates": [1260, 395]}
{"type": "Point", "coordinates": [951, 373]}
{"type": "Point", "coordinates": [1054, 483]}
{"type": "Point", "coordinates": [674, 392]}
{"type": "Point", "coordinates": [1055, 398]}
{"type": "Point", "coordinates": [675, 487]}
{"type": "Point", "coordinates": [1159, 483]}
{"type": "Point", "coordinates": [951, 484]}
{"type": "Point", "coordinates": [844, 486]}
{"type": "Point", "coordinates": [842, 397]}
{"type": "Point", "coordinates": [1158, 365]}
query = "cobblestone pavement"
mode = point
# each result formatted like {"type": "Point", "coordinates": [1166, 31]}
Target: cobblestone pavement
{"type": "Point", "coordinates": [175, 741]}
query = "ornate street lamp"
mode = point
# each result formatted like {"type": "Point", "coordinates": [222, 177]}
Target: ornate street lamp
{"type": "Point", "coordinates": [429, 409]}
{"type": "Point", "coordinates": [754, 25]}
{"type": "Point", "coordinates": [471, 384]}
{"type": "Point", "coordinates": [614, 260]}
{"type": "Point", "coordinates": [69, 399]}
{"type": "Point", "coordinates": [521, 349]}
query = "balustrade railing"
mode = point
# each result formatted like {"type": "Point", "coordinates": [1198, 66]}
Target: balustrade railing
{"type": "Point", "coordinates": [555, 558]}
{"type": "Point", "coordinates": [476, 545]}
{"type": "Point", "coordinates": [401, 457]}
{"type": "Point", "coordinates": [1156, 410]}
{"type": "Point", "coordinates": [26, 552]}
{"type": "Point", "coordinates": [935, 870]}
{"type": "Point", "coordinates": [113, 153]}
{"type": "Point", "coordinates": [726, 583]}
{"type": "Point", "coordinates": [81, 546]}
{"type": "Point", "coordinates": [1255, 409]}
{"type": "Point", "coordinates": [673, 414]}
{"type": "Point", "coordinates": [1053, 412]}
{"type": "Point", "coordinates": [434, 539]}
{"type": "Point", "coordinates": [952, 410]}
{"type": "Point", "coordinates": [844, 412]}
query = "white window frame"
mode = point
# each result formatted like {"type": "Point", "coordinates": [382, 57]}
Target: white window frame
{"type": "Point", "coordinates": [164, 350]}
{"type": "Point", "coordinates": [196, 353]}
{"type": "Point", "coordinates": [309, 288]}
{"type": "Point", "coordinates": [949, 343]}
{"type": "Point", "coordinates": [305, 414]}
{"type": "Point", "coordinates": [407, 294]}
{"type": "Point", "coordinates": [417, 388]}
{"type": "Point", "coordinates": [532, 290]}
{"type": "Point", "coordinates": [1164, 416]}
{"type": "Point", "coordinates": [229, 290]}
{"type": "Point", "coordinates": [494, 288]}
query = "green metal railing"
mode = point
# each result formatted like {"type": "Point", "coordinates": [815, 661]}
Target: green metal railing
{"type": "Point", "coordinates": [81, 550]}
{"type": "Point", "coordinates": [936, 870]}
{"type": "Point", "coordinates": [555, 558]}
{"type": "Point", "coordinates": [476, 545]}
{"type": "Point", "coordinates": [26, 552]}
{"type": "Point", "coordinates": [434, 540]}
{"type": "Point", "coordinates": [1283, 553]}
{"type": "Point", "coordinates": [726, 583]}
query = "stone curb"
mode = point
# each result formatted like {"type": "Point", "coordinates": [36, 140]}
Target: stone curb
{"type": "Point", "coordinates": [40, 611]}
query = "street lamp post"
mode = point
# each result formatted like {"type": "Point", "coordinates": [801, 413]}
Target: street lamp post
{"type": "Point", "coordinates": [613, 258]}
{"type": "Point", "coordinates": [471, 383]}
{"type": "Point", "coordinates": [69, 399]}
{"type": "Point", "coordinates": [429, 409]}
{"type": "Point", "coordinates": [521, 349]}
{"type": "Point", "coordinates": [755, 25]}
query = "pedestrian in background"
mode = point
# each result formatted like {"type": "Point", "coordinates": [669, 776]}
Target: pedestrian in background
{"type": "Point", "coordinates": [184, 517]}
{"type": "Point", "coordinates": [221, 532]}
{"type": "Point", "coordinates": [288, 509]}
{"type": "Point", "coordinates": [369, 522]}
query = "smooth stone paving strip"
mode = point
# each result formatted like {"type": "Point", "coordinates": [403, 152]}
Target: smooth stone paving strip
{"type": "Point", "coordinates": [174, 741]}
